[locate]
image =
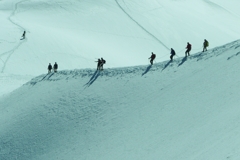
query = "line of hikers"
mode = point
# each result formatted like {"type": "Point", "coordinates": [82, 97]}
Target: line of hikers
{"type": "Point", "coordinates": [187, 52]}
{"type": "Point", "coordinates": [101, 62]}
{"type": "Point", "coordinates": [55, 67]}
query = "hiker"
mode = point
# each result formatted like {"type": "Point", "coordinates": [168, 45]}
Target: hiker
{"type": "Point", "coordinates": [23, 36]}
{"type": "Point", "coordinates": [103, 61]}
{"type": "Point", "coordinates": [99, 62]}
{"type": "Point", "coordinates": [172, 54]}
{"type": "Point", "coordinates": [189, 47]}
{"type": "Point", "coordinates": [49, 68]}
{"type": "Point", "coordinates": [55, 67]}
{"type": "Point", "coordinates": [205, 45]}
{"type": "Point", "coordinates": [153, 56]}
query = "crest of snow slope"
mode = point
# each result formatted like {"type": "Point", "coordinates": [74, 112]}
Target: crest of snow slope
{"type": "Point", "coordinates": [186, 109]}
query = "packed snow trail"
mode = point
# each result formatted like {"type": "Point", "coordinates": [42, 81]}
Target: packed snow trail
{"type": "Point", "coordinates": [144, 29]}
{"type": "Point", "coordinates": [9, 54]}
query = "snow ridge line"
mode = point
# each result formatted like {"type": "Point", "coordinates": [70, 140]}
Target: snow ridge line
{"type": "Point", "coordinates": [144, 29]}
{"type": "Point", "coordinates": [92, 75]}
{"type": "Point", "coordinates": [10, 53]}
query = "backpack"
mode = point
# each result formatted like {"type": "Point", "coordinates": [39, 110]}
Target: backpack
{"type": "Point", "coordinates": [55, 66]}
{"type": "Point", "coordinates": [103, 61]}
{"type": "Point", "coordinates": [207, 44]}
{"type": "Point", "coordinates": [153, 56]}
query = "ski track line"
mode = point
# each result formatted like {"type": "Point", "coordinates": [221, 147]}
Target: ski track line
{"type": "Point", "coordinates": [217, 6]}
{"type": "Point", "coordinates": [220, 7]}
{"type": "Point", "coordinates": [10, 53]}
{"type": "Point", "coordinates": [141, 26]}
{"type": "Point", "coordinates": [14, 13]}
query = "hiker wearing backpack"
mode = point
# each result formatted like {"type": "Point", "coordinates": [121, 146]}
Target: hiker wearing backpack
{"type": "Point", "coordinates": [98, 64]}
{"type": "Point", "coordinates": [55, 67]}
{"type": "Point", "coordinates": [172, 54]}
{"type": "Point", "coordinates": [23, 35]}
{"type": "Point", "coordinates": [103, 61]}
{"type": "Point", "coordinates": [189, 47]}
{"type": "Point", "coordinates": [205, 45]}
{"type": "Point", "coordinates": [153, 56]}
{"type": "Point", "coordinates": [49, 68]}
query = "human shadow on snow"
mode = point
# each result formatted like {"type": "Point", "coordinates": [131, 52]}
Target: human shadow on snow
{"type": "Point", "coordinates": [166, 65]}
{"type": "Point", "coordinates": [183, 60]}
{"type": "Point", "coordinates": [148, 68]}
{"type": "Point", "coordinates": [93, 78]}
{"type": "Point", "coordinates": [233, 56]}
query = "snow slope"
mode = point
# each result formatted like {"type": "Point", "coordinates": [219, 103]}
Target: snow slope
{"type": "Point", "coordinates": [185, 109]}
{"type": "Point", "coordinates": [75, 33]}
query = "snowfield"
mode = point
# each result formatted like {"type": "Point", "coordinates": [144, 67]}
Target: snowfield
{"type": "Point", "coordinates": [185, 109]}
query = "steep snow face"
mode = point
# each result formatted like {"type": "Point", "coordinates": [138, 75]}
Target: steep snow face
{"type": "Point", "coordinates": [184, 109]}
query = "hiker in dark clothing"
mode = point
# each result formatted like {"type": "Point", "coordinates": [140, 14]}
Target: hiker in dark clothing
{"type": "Point", "coordinates": [172, 53]}
{"type": "Point", "coordinates": [103, 61]}
{"type": "Point", "coordinates": [49, 68]}
{"type": "Point", "coordinates": [99, 62]}
{"type": "Point", "coordinates": [189, 47]}
{"type": "Point", "coordinates": [153, 56]}
{"type": "Point", "coordinates": [55, 67]}
{"type": "Point", "coordinates": [23, 36]}
{"type": "Point", "coordinates": [205, 45]}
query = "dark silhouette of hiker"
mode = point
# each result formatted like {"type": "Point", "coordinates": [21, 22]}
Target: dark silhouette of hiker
{"type": "Point", "coordinates": [189, 47]}
{"type": "Point", "coordinates": [99, 62]}
{"type": "Point", "coordinates": [103, 61]}
{"type": "Point", "coordinates": [173, 53]}
{"type": "Point", "coordinates": [49, 68]}
{"type": "Point", "coordinates": [153, 56]}
{"type": "Point", "coordinates": [205, 45]}
{"type": "Point", "coordinates": [55, 67]}
{"type": "Point", "coordinates": [23, 36]}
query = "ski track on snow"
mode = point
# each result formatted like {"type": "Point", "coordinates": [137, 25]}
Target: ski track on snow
{"type": "Point", "coordinates": [144, 29]}
{"type": "Point", "coordinates": [11, 52]}
{"type": "Point", "coordinates": [217, 6]}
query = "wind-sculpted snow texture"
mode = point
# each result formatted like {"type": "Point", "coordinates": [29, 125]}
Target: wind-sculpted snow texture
{"type": "Point", "coordinates": [184, 109]}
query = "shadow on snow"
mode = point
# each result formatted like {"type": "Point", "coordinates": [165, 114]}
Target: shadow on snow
{"type": "Point", "coordinates": [93, 78]}
{"type": "Point", "coordinates": [166, 65]}
{"type": "Point", "coordinates": [183, 60]}
{"type": "Point", "coordinates": [148, 68]}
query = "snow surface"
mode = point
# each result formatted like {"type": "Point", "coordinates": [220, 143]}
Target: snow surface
{"type": "Point", "coordinates": [185, 109]}
{"type": "Point", "coordinates": [75, 33]}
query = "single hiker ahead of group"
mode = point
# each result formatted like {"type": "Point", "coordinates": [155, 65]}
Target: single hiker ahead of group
{"type": "Point", "coordinates": [23, 36]}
